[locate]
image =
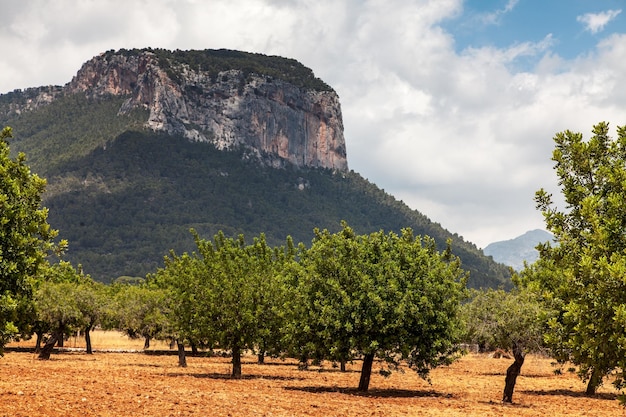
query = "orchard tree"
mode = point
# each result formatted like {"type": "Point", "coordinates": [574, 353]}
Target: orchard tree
{"type": "Point", "coordinates": [584, 271]}
{"type": "Point", "coordinates": [241, 293]}
{"type": "Point", "coordinates": [274, 291]}
{"type": "Point", "coordinates": [380, 295]}
{"type": "Point", "coordinates": [226, 295]}
{"type": "Point", "coordinates": [512, 321]}
{"type": "Point", "coordinates": [25, 236]}
{"type": "Point", "coordinates": [180, 286]}
{"type": "Point", "coordinates": [57, 307]}
{"type": "Point", "coordinates": [68, 300]}
{"type": "Point", "coordinates": [93, 301]}
{"type": "Point", "coordinates": [140, 311]}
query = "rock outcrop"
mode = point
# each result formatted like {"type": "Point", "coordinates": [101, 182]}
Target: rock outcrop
{"type": "Point", "coordinates": [271, 117]}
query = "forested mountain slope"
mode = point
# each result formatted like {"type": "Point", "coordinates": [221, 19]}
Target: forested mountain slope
{"type": "Point", "coordinates": [124, 194]}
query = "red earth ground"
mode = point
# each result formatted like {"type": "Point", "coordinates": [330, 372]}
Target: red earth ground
{"type": "Point", "coordinates": [137, 384]}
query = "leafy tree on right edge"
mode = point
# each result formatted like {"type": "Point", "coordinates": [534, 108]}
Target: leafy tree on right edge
{"type": "Point", "coordinates": [584, 274]}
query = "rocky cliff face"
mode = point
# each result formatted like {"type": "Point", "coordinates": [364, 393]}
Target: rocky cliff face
{"type": "Point", "coordinates": [273, 118]}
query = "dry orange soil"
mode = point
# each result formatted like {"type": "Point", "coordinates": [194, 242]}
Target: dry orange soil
{"type": "Point", "coordinates": [136, 384]}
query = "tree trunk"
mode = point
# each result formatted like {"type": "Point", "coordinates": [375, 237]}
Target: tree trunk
{"type": "Point", "coordinates": [236, 362]}
{"type": "Point", "coordinates": [182, 359]}
{"type": "Point", "coordinates": [46, 351]}
{"type": "Point", "coordinates": [194, 348]}
{"type": "Point", "coordinates": [146, 343]}
{"type": "Point", "coordinates": [342, 365]}
{"type": "Point", "coordinates": [38, 342]}
{"type": "Point", "coordinates": [261, 358]}
{"type": "Point", "coordinates": [304, 362]}
{"type": "Point", "coordinates": [366, 372]}
{"type": "Point", "coordinates": [511, 374]}
{"type": "Point", "coordinates": [594, 382]}
{"type": "Point", "coordinates": [88, 340]}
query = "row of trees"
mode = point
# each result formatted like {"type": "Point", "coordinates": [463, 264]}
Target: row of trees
{"type": "Point", "coordinates": [351, 296]}
{"type": "Point", "coordinates": [346, 297]}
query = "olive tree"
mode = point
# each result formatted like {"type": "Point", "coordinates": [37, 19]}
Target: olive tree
{"type": "Point", "coordinates": [140, 311]}
{"type": "Point", "coordinates": [380, 295]}
{"type": "Point", "coordinates": [61, 304]}
{"type": "Point", "coordinates": [513, 321]}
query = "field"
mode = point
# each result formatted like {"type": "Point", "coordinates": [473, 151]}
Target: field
{"type": "Point", "coordinates": [136, 384]}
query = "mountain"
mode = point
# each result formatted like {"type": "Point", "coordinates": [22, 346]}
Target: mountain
{"type": "Point", "coordinates": [515, 251]}
{"type": "Point", "coordinates": [142, 145]}
{"type": "Point", "coordinates": [273, 107]}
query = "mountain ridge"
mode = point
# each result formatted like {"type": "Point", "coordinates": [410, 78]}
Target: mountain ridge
{"type": "Point", "coordinates": [272, 106]}
{"type": "Point", "coordinates": [124, 194]}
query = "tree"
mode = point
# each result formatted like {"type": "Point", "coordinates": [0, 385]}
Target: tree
{"type": "Point", "coordinates": [67, 300]}
{"type": "Point", "coordinates": [57, 307]}
{"type": "Point", "coordinates": [25, 236]}
{"type": "Point", "coordinates": [513, 321]}
{"type": "Point", "coordinates": [386, 295]}
{"type": "Point", "coordinates": [92, 300]}
{"type": "Point", "coordinates": [140, 311]}
{"type": "Point", "coordinates": [583, 273]}
{"type": "Point", "coordinates": [224, 295]}
{"type": "Point", "coordinates": [179, 284]}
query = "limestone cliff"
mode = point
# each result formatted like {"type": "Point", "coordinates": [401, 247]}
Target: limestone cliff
{"type": "Point", "coordinates": [275, 117]}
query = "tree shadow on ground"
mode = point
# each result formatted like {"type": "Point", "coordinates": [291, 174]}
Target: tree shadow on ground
{"type": "Point", "coordinates": [141, 365]}
{"type": "Point", "coordinates": [513, 404]}
{"type": "Point", "coordinates": [269, 363]}
{"type": "Point", "coordinates": [570, 393]}
{"type": "Point", "coordinates": [529, 375]}
{"type": "Point", "coordinates": [373, 393]}
{"type": "Point", "coordinates": [331, 370]}
{"type": "Point", "coordinates": [310, 368]}
{"type": "Point", "coordinates": [214, 375]}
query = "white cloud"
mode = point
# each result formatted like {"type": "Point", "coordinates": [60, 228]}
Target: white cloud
{"type": "Point", "coordinates": [596, 22]}
{"type": "Point", "coordinates": [464, 138]}
{"type": "Point", "coordinates": [495, 17]}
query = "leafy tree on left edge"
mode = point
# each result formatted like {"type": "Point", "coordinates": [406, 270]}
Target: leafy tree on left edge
{"type": "Point", "coordinates": [26, 238]}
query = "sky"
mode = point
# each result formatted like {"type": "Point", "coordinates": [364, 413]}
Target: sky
{"type": "Point", "coordinates": [448, 105]}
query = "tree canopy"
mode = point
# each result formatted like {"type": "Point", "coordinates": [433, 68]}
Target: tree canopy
{"type": "Point", "coordinates": [25, 235]}
{"type": "Point", "coordinates": [583, 273]}
{"type": "Point", "coordinates": [227, 295]}
{"type": "Point", "coordinates": [380, 295]}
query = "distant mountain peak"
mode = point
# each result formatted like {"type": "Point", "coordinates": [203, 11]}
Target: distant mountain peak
{"type": "Point", "coordinates": [514, 252]}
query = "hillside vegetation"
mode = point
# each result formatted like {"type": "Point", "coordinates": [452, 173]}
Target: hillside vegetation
{"type": "Point", "coordinates": [124, 197]}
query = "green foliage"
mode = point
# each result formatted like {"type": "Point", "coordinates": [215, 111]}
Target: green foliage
{"type": "Point", "coordinates": [67, 300]}
{"type": "Point", "coordinates": [25, 236]}
{"type": "Point", "coordinates": [56, 306]}
{"type": "Point", "coordinates": [227, 295]}
{"type": "Point", "coordinates": [124, 197]}
{"type": "Point", "coordinates": [584, 274]}
{"type": "Point", "coordinates": [140, 311]}
{"type": "Point", "coordinates": [496, 319]}
{"type": "Point", "coordinates": [389, 295]}
{"type": "Point", "coordinates": [218, 60]}
{"type": "Point", "coordinates": [69, 128]}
